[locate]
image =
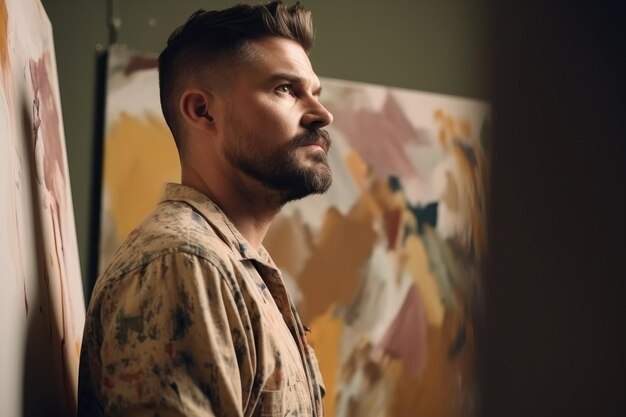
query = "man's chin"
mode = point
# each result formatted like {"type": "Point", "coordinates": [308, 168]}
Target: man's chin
{"type": "Point", "coordinates": [306, 174]}
{"type": "Point", "coordinates": [318, 185]}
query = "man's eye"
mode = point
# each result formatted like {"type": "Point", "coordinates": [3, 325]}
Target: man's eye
{"type": "Point", "coordinates": [285, 88]}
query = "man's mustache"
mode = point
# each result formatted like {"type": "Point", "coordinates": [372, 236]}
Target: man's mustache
{"type": "Point", "coordinates": [312, 136]}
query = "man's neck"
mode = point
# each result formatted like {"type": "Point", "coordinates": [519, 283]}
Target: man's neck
{"type": "Point", "coordinates": [246, 203]}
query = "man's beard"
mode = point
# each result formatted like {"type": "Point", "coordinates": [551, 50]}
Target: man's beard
{"type": "Point", "coordinates": [280, 169]}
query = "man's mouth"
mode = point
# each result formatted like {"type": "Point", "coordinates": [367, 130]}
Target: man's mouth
{"type": "Point", "coordinates": [321, 140]}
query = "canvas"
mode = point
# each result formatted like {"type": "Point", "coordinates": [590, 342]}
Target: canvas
{"type": "Point", "coordinates": [42, 298]}
{"type": "Point", "coordinates": [384, 267]}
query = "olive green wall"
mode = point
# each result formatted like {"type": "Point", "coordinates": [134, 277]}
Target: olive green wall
{"type": "Point", "coordinates": [439, 46]}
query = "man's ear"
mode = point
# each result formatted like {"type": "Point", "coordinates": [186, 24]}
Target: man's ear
{"type": "Point", "coordinates": [195, 108]}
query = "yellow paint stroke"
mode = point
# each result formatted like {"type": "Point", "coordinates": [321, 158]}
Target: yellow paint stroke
{"type": "Point", "coordinates": [366, 208]}
{"type": "Point", "coordinates": [450, 195]}
{"type": "Point", "coordinates": [4, 37]}
{"type": "Point", "coordinates": [464, 128]}
{"type": "Point", "coordinates": [417, 265]}
{"type": "Point", "coordinates": [473, 195]}
{"type": "Point", "coordinates": [289, 241]}
{"type": "Point", "coordinates": [385, 197]}
{"type": "Point", "coordinates": [325, 336]}
{"type": "Point", "coordinates": [358, 168]}
{"type": "Point", "coordinates": [333, 273]}
{"type": "Point", "coordinates": [393, 205]}
{"type": "Point", "coordinates": [366, 382]}
{"type": "Point", "coordinates": [446, 387]}
{"type": "Point", "coordinates": [471, 181]}
{"type": "Point", "coordinates": [140, 157]}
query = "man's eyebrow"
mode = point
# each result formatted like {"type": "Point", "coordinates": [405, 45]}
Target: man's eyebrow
{"type": "Point", "coordinates": [294, 79]}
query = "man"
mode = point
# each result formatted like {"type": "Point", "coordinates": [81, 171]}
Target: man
{"type": "Point", "coordinates": [191, 318]}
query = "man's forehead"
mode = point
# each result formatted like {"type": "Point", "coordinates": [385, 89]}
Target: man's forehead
{"type": "Point", "coordinates": [275, 56]}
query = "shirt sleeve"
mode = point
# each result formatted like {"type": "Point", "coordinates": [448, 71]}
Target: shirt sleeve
{"type": "Point", "coordinates": [176, 342]}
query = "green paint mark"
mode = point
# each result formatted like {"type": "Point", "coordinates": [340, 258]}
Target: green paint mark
{"type": "Point", "coordinates": [184, 359]}
{"type": "Point", "coordinates": [124, 324]}
{"type": "Point", "coordinates": [182, 323]}
{"type": "Point", "coordinates": [110, 369]}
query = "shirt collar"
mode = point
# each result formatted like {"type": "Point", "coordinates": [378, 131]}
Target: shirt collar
{"type": "Point", "coordinates": [225, 229]}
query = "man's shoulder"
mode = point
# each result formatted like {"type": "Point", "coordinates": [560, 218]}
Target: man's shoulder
{"type": "Point", "coordinates": [173, 227]}
{"type": "Point", "coordinates": [174, 246]}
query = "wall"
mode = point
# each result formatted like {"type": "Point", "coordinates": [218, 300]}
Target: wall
{"type": "Point", "coordinates": [437, 46]}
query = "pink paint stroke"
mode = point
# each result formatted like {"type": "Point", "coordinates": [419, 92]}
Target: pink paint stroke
{"type": "Point", "coordinates": [380, 136]}
{"type": "Point", "coordinates": [407, 336]}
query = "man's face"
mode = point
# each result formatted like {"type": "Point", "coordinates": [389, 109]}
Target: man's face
{"type": "Point", "coordinates": [272, 129]}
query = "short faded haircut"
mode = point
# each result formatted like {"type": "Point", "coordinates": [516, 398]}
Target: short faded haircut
{"type": "Point", "coordinates": [211, 45]}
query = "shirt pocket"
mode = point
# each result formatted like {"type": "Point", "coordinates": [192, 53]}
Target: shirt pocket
{"type": "Point", "coordinates": [293, 399]}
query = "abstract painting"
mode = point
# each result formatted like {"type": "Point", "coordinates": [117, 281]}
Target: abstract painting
{"type": "Point", "coordinates": [37, 232]}
{"type": "Point", "coordinates": [139, 152]}
{"type": "Point", "coordinates": [384, 267]}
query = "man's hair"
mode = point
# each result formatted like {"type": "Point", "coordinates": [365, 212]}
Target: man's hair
{"type": "Point", "coordinates": [213, 44]}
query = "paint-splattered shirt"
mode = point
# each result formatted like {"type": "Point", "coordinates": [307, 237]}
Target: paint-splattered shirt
{"type": "Point", "coordinates": [190, 320]}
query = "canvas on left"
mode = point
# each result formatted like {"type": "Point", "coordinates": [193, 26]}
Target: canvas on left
{"type": "Point", "coordinates": [42, 301]}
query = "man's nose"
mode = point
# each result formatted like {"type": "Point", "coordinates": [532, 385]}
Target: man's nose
{"type": "Point", "coordinates": [317, 116]}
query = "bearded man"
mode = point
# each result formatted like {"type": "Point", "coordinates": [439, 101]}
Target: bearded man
{"type": "Point", "coordinates": [191, 317]}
